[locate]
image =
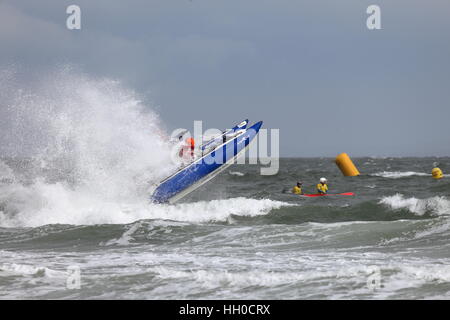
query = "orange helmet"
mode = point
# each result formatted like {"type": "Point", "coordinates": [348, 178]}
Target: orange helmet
{"type": "Point", "coordinates": [190, 142]}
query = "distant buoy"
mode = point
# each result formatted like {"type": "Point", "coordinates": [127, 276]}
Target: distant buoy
{"type": "Point", "coordinates": [437, 173]}
{"type": "Point", "coordinates": [346, 165]}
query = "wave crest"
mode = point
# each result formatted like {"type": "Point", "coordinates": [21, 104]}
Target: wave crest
{"type": "Point", "coordinates": [399, 174]}
{"type": "Point", "coordinates": [434, 205]}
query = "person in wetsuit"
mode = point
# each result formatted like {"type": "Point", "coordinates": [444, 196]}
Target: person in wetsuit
{"type": "Point", "coordinates": [297, 188]}
{"type": "Point", "coordinates": [322, 186]}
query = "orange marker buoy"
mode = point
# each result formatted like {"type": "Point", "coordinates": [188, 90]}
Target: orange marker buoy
{"type": "Point", "coordinates": [346, 165]}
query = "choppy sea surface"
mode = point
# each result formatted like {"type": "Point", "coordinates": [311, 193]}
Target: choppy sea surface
{"type": "Point", "coordinates": [79, 156]}
{"type": "Point", "coordinates": [241, 236]}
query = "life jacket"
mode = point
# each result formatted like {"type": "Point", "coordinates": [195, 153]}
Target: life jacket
{"type": "Point", "coordinates": [187, 151]}
{"type": "Point", "coordinates": [322, 188]}
{"type": "Point", "coordinates": [297, 190]}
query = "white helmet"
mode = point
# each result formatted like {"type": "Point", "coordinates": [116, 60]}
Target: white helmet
{"type": "Point", "coordinates": [323, 180]}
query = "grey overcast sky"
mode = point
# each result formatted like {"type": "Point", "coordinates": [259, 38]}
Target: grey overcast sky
{"type": "Point", "coordinates": [310, 68]}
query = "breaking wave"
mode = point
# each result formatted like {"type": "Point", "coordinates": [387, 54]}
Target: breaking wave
{"type": "Point", "coordinates": [434, 206]}
{"type": "Point", "coordinates": [399, 174]}
{"type": "Point", "coordinates": [76, 150]}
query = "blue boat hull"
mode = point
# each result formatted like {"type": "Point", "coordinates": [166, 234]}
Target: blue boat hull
{"type": "Point", "coordinates": [200, 171]}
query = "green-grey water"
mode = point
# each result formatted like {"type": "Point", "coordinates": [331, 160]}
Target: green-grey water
{"type": "Point", "coordinates": [240, 236]}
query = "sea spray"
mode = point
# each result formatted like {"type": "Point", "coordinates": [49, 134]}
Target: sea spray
{"type": "Point", "coordinates": [88, 146]}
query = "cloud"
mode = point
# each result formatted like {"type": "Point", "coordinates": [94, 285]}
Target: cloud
{"type": "Point", "coordinates": [294, 64]}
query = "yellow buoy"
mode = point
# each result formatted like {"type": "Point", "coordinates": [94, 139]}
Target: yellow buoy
{"type": "Point", "coordinates": [346, 165]}
{"type": "Point", "coordinates": [437, 173]}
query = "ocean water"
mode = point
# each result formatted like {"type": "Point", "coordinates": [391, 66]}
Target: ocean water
{"type": "Point", "coordinates": [80, 155]}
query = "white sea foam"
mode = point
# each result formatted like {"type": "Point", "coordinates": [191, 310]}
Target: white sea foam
{"type": "Point", "coordinates": [50, 204]}
{"type": "Point", "coordinates": [95, 151]}
{"type": "Point", "coordinates": [435, 205]}
{"type": "Point", "coordinates": [216, 278]}
{"type": "Point", "coordinates": [30, 270]}
{"type": "Point", "coordinates": [6, 174]}
{"type": "Point", "coordinates": [399, 174]}
{"type": "Point", "coordinates": [93, 148]}
{"type": "Point", "coordinates": [216, 210]}
{"type": "Point", "coordinates": [416, 274]}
